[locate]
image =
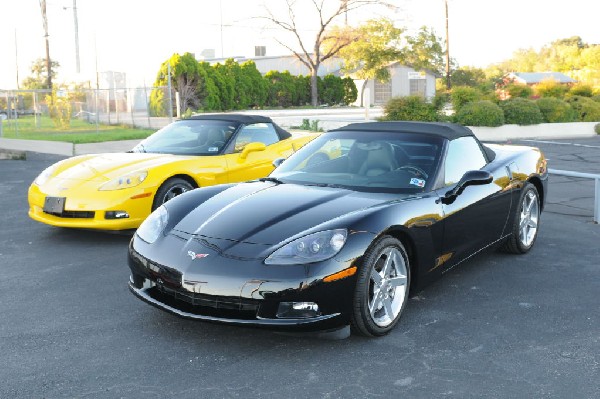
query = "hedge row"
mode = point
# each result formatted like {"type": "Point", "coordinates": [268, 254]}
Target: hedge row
{"type": "Point", "coordinates": [233, 86]}
{"type": "Point", "coordinates": [475, 112]}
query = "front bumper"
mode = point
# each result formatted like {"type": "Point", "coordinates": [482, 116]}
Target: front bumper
{"type": "Point", "coordinates": [87, 210]}
{"type": "Point", "coordinates": [225, 289]}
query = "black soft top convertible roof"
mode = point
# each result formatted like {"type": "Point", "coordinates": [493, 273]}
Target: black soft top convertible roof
{"type": "Point", "coordinates": [245, 119]}
{"type": "Point", "coordinates": [449, 131]}
{"type": "Point", "coordinates": [241, 118]}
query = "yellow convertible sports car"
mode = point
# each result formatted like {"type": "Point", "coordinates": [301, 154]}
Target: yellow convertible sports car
{"type": "Point", "coordinates": [118, 191]}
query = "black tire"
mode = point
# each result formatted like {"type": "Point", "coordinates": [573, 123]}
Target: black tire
{"type": "Point", "coordinates": [525, 225]}
{"type": "Point", "coordinates": [170, 189]}
{"type": "Point", "coordinates": [377, 306]}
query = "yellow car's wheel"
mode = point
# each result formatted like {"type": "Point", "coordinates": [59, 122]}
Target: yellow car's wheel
{"type": "Point", "coordinates": [169, 190]}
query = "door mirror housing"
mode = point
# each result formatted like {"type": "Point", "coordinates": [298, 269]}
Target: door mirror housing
{"type": "Point", "coordinates": [470, 178]}
{"type": "Point", "coordinates": [278, 162]}
{"type": "Point", "coordinates": [252, 147]}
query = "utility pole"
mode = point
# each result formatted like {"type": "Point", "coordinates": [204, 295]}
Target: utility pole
{"type": "Point", "coordinates": [48, 62]}
{"type": "Point", "coordinates": [17, 59]}
{"type": "Point", "coordinates": [221, 10]}
{"type": "Point", "coordinates": [448, 83]}
{"type": "Point", "coordinates": [76, 26]}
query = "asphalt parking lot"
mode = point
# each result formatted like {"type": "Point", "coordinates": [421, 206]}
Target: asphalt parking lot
{"type": "Point", "coordinates": [498, 326]}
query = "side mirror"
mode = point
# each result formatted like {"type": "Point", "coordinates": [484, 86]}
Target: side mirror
{"type": "Point", "coordinates": [470, 178]}
{"type": "Point", "coordinates": [278, 162]}
{"type": "Point", "coordinates": [252, 147]}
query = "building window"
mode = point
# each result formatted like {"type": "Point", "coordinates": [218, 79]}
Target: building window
{"type": "Point", "coordinates": [383, 92]}
{"type": "Point", "coordinates": [417, 87]}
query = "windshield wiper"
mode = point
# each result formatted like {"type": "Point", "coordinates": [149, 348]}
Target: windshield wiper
{"type": "Point", "coordinates": [326, 185]}
{"type": "Point", "coordinates": [271, 179]}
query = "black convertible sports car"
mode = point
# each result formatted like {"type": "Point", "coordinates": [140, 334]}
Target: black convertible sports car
{"type": "Point", "coordinates": [340, 231]}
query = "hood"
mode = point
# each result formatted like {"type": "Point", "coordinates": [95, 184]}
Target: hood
{"type": "Point", "coordinates": [266, 213]}
{"type": "Point", "coordinates": [104, 167]}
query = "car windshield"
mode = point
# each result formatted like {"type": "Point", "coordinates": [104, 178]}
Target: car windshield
{"type": "Point", "coordinates": [190, 137]}
{"type": "Point", "coordinates": [366, 161]}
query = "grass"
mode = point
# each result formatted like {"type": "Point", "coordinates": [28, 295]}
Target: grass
{"type": "Point", "coordinates": [80, 131]}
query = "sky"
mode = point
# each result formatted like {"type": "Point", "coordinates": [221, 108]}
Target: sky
{"type": "Point", "coordinates": [135, 36]}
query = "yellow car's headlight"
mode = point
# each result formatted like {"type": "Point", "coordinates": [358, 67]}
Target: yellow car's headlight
{"type": "Point", "coordinates": [126, 181]}
{"type": "Point", "coordinates": [45, 175]}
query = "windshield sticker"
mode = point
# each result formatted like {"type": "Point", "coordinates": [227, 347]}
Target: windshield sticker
{"type": "Point", "coordinates": [417, 182]}
{"type": "Point", "coordinates": [213, 149]}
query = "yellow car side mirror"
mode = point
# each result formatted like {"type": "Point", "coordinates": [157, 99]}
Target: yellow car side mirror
{"type": "Point", "coordinates": [252, 147]}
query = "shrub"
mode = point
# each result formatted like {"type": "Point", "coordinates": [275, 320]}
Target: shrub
{"type": "Point", "coordinates": [550, 88]}
{"type": "Point", "coordinates": [440, 99]}
{"type": "Point", "coordinates": [332, 90]}
{"type": "Point", "coordinates": [519, 91]}
{"type": "Point", "coordinates": [411, 108]}
{"type": "Point", "coordinates": [462, 95]}
{"type": "Point", "coordinates": [597, 128]}
{"type": "Point", "coordinates": [587, 110]}
{"type": "Point", "coordinates": [521, 112]}
{"type": "Point", "coordinates": [555, 110]}
{"type": "Point", "coordinates": [282, 89]}
{"type": "Point", "coordinates": [581, 90]}
{"type": "Point", "coordinates": [350, 90]}
{"type": "Point", "coordinates": [480, 113]}
{"type": "Point", "coordinates": [302, 87]}
{"type": "Point", "coordinates": [257, 90]}
{"type": "Point", "coordinates": [60, 109]}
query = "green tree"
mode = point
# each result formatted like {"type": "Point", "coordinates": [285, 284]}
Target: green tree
{"type": "Point", "coordinates": [468, 76]}
{"type": "Point", "coordinates": [425, 51]}
{"type": "Point", "coordinates": [378, 43]}
{"type": "Point", "coordinates": [185, 78]}
{"type": "Point", "coordinates": [38, 78]}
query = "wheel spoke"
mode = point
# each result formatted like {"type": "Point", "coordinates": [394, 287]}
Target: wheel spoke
{"type": "Point", "coordinates": [530, 202]}
{"type": "Point", "coordinates": [397, 281]}
{"type": "Point", "coordinates": [385, 271]}
{"type": "Point", "coordinates": [532, 223]}
{"type": "Point", "coordinates": [387, 305]}
{"type": "Point", "coordinates": [376, 277]}
{"type": "Point", "coordinates": [375, 303]}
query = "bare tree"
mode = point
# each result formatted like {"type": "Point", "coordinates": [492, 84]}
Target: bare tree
{"type": "Point", "coordinates": [336, 42]}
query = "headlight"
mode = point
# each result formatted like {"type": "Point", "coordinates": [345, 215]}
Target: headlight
{"type": "Point", "coordinates": [154, 225]}
{"type": "Point", "coordinates": [125, 181]}
{"type": "Point", "coordinates": [45, 175]}
{"type": "Point", "coordinates": [311, 248]}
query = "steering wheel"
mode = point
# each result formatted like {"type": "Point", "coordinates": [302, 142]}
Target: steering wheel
{"type": "Point", "coordinates": [414, 170]}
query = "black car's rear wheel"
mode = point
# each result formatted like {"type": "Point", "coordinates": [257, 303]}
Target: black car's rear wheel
{"type": "Point", "coordinates": [382, 288]}
{"type": "Point", "coordinates": [526, 222]}
{"type": "Point", "coordinates": [169, 190]}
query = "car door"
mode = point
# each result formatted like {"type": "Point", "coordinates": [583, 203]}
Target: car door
{"type": "Point", "coordinates": [252, 165]}
{"type": "Point", "coordinates": [476, 218]}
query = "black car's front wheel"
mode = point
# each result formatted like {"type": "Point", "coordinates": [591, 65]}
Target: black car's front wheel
{"type": "Point", "coordinates": [169, 190]}
{"type": "Point", "coordinates": [382, 288]}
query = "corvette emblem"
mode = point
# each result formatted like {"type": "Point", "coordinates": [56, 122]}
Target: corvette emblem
{"type": "Point", "coordinates": [194, 255]}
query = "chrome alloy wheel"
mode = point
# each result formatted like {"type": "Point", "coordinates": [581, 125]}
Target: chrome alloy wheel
{"type": "Point", "coordinates": [174, 191]}
{"type": "Point", "coordinates": [529, 218]}
{"type": "Point", "coordinates": [387, 287]}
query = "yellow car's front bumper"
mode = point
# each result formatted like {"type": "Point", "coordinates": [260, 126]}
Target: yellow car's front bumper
{"type": "Point", "coordinates": [88, 210]}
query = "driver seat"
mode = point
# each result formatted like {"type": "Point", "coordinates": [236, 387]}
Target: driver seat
{"type": "Point", "coordinates": [379, 161]}
{"type": "Point", "coordinates": [214, 136]}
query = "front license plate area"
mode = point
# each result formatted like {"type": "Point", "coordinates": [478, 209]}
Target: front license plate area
{"type": "Point", "coordinates": [55, 205]}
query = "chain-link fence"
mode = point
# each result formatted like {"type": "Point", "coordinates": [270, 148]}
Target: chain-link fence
{"type": "Point", "coordinates": [117, 106]}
